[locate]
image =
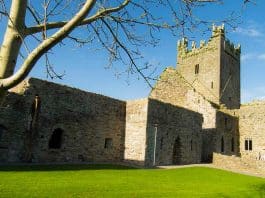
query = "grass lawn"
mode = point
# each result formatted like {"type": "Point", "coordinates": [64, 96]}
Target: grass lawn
{"type": "Point", "coordinates": [118, 181]}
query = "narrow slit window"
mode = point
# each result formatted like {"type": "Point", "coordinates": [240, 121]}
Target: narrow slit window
{"type": "Point", "coordinates": [197, 68]}
{"type": "Point", "coordinates": [232, 145]}
{"type": "Point", "coordinates": [246, 145]}
{"type": "Point", "coordinates": [222, 145]}
{"type": "Point", "coordinates": [212, 84]}
{"type": "Point", "coordinates": [161, 143]}
{"type": "Point", "coordinates": [250, 145]}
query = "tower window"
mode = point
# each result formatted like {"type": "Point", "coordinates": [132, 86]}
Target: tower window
{"type": "Point", "coordinates": [212, 84]}
{"type": "Point", "coordinates": [230, 98]}
{"type": "Point", "coordinates": [197, 67]}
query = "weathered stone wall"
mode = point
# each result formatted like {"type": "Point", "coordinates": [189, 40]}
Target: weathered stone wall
{"type": "Point", "coordinates": [230, 75]}
{"type": "Point", "coordinates": [227, 132]}
{"type": "Point", "coordinates": [173, 134]}
{"type": "Point", "coordinates": [93, 125]}
{"type": "Point", "coordinates": [239, 164]}
{"type": "Point", "coordinates": [12, 128]}
{"type": "Point", "coordinates": [252, 128]}
{"type": "Point", "coordinates": [207, 57]}
{"type": "Point", "coordinates": [135, 133]}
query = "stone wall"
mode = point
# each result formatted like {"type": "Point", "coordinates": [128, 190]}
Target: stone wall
{"type": "Point", "coordinates": [135, 137]}
{"type": "Point", "coordinates": [239, 164]}
{"type": "Point", "coordinates": [12, 128]}
{"type": "Point", "coordinates": [92, 125]}
{"type": "Point", "coordinates": [230, 75]}
{"type": "Point", "coordinates": [173, 134]}
{"type": "Point", "coordinates": [252, 128]}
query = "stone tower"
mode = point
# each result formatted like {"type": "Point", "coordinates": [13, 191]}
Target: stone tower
{"type": "Point", "coordinates": [212, 68]}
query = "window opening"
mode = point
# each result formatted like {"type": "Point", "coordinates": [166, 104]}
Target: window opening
{"type": "Point", "coordinates": [108, 143]}
{"type": "Point", "coordinates": [197, 67]}
{"type": "Point", "coordinates": [56, 139]}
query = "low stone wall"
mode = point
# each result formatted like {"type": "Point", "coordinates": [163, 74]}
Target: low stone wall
{"type": "Point", "coordinates": [242, 164]}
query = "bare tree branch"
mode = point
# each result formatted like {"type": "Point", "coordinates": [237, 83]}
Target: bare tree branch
{"type": "Point", "coordinates": [53, 25]}
{"type": "Point", "coordinates": [45, 46]}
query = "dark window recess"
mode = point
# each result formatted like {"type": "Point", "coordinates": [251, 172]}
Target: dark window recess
{"type": "Point", "coordinates": [248, 145]}
{"type": "Point", "coordinates": [108, 143]}
{"type": "Point", "coordinates": [191, 145]}
{"type": "Point", "coordinates": [212, 85]}
{"type": "Point", "coordinates": [230, 98]}
{"type": "Point", "coordinates": [197, 68]}
{"type": "Point", "coordinates": [222, 145]}
{"type": "Point", "coordinates": [56, 139]}
{"type": "Point", "coordinates": [2, 130]}
{"type": "Point", "coordinates": [232, 145]}
{"type": "Point", "coordinates": [161, 143]}
{"type": "Point", "coordinates": [226, 122]}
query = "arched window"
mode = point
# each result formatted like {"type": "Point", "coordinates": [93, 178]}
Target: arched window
{"type": "Point", "coordinates": [222, 145]}
{"type": "Point", "coordinates": [55, 141]}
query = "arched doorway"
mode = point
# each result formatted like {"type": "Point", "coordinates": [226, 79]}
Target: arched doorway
{"type": "Point", "coordinates": [55, 141]}
{"type": "Point", "coordinates": [177, 151]}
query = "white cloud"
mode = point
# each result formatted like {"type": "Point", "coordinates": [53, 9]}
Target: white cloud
{"type": "Point", "coordinates": [249, 31]}
{"type": "Point", "coordinates": [245, 57]}
{"type": "Point", "coordinates": [261, 56]}
{"type": "Point", "coordinates": [253, 56]}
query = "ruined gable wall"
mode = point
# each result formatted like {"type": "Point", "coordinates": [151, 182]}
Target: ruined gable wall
{"type": "Point", "coordinates": [86, 119]}
{"type": "Point", "coordinates": [172, 88]}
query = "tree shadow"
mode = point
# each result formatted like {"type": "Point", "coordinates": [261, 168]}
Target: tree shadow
{"type": "Point", "coordinates": [261, 190]}
{"type": "Point", "coordinates": [62, 167]}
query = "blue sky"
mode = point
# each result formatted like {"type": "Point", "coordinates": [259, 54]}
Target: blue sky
{"type": "Point", "coordinates": [84, 67]}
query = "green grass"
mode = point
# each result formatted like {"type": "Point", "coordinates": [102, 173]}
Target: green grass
{"type": "Point", "coordinates": [118, 181]}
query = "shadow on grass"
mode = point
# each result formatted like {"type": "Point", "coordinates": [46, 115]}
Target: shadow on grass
{"type": "Point", "coordinates": [62, 167]}
{"type": "Point", "coordinates": [261, 190]}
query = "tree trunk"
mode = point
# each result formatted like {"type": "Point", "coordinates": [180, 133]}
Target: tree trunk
{"type": "Point", "coordinates": [12, 41]}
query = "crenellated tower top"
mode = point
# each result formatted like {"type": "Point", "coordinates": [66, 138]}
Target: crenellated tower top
{"type": "Point", "coordinates": [185, 51]}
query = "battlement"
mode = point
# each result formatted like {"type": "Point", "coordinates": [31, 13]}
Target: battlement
{"type": "Point", "coordinates": [184, 51]}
